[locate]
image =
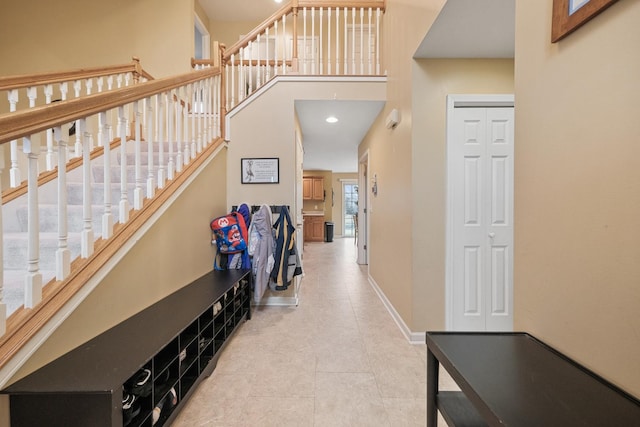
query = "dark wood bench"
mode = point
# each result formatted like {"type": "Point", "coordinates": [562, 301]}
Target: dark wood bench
{"type": "Point", "coordinates": [177, 340]}
{"type": "Point", "coordinates": [513, 379]}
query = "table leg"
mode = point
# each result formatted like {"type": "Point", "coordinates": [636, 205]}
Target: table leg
{"type": "Point", "coordinates": [432, 389]}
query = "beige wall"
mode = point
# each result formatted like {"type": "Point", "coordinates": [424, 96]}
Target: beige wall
{"type": "Point", "coordinates": [577, 129]}
{"type": "Point", "coordinates": [70, 34]}
{"type": "Point", "coordinates": [406, 23]}
{"type": "Point", "coordinates": [433, 80]}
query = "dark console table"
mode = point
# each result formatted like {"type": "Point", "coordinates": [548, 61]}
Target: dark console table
{"type": "Point", "coordinates": [169, 347]}
{"type": "Point", "coordinates": [513, 379]}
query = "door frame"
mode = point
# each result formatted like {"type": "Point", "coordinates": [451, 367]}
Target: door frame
{"type": "Point", "coordinates": [364, 208]}
{"type": "Point", "coordinates": [457, 101]}
{"type": "Point", "coordinates": [206, 37]}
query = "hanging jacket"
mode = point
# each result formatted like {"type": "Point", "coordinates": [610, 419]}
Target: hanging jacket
{"type": "Point", "coordinates": [262, 244]}
{"type": "Point", "coordinates": [287, 262]}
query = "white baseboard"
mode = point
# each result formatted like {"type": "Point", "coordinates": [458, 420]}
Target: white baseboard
{"type": "Point", "coordinates": [413, 337]}
{"type": "Point", "coordinates": [278, 301]}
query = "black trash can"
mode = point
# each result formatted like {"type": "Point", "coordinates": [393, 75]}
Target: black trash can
{"type": "Point", "coordinates": [328, 231]}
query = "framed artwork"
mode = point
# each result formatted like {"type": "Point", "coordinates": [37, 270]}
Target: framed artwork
{"type": "Point", "coordinates": [569, 15]}
{"type": "Point", "coordinates": [260, 170]}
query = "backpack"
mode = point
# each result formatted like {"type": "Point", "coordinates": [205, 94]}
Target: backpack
{"type": "Point", "coordinates": [229, 233]}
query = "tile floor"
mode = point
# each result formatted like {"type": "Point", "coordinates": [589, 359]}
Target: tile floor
{"type": "Point", "coordinates": [338, 359]}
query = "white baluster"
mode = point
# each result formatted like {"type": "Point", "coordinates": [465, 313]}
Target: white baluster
{"type": "Point", "coordinates": [188, 124]}
{"type": "Point", "coordinates": [170, 116]}
{"type": "Point", "coordinates": [124, 199]}
{"type": "Point", "coordinates": [284, 44]}
{"type": "Point", "coordinates": [161, 126]}
{"type": "Point", "coordinates": [320, 59]}
{"type": "Point", "coordinates": [216, 105]}
{"type": "Point", "coordinates": [304, 40]}
{"type": "Point", "coordinates": [194, 108]}
{"type": "Point", "coordinates": [86, 244]}
{"type": "Point", "coordinates": [369, 58]}
{"type": "Point", "coordinates": [259, 66]}
{"type": "Point", "coordinates": [64, 92]}
{"type": "Point", "coordinates": [353, 41]}
{"type": "Point", "coordinates": [150, 162]}
{"type": "Point", "coordinates": [337, 40]}
{"type": "Point", "coordinates": [107, 215]}
{"type": "Point", "coordinates": [242, 92]}
{"type": "Point", "coordinates": [250, 48]}
{"type": "Point", "coordinates": [178, 113]}
{"type": "Point", "coordinates": [200, 104]}
{"type": "Point", "coordinates": [77, 86]}
{"type": "Point", "coordinates": [3, 306]}
{"type": "Point", "coordinates": [63, 255]}
{"type": "Point", "coordinates": [101, 128]}
{"type": "Point", "coordinates": [127, 79]}
{"type": "Point", "coordinates": [275, 48]}
{"type": "Point", "coordinates": [268, 63]}
{"type": "Point", "coordinates": [378, 41]}
{"type": "Point", "coordinates": [14, 170]}
{"type": "Point", "coordinates": [313, 41]}
{"type": "Point", "coordinates": [329, 40]}
{"type": "Point", "coordinates": [226, 86]}
{"type": "Point", "coordinates": [49, 159]}
{"type": "Point", "coordinates": [137, 192]}
{"type": "Point", "coordinates": [188, 148]}
{"type": "Point", "coordinates": [33, 279]}
{"type": "Point", "coordinates": [209, 85]}
{"type": "Point", "coordinates": [345, 68]}
{"type": "Point", "coordinates": [233, 81]}
{"type": "Point", "coordinates": [361, 40]}
{"type": "Point", "coordinates": [113, 111]}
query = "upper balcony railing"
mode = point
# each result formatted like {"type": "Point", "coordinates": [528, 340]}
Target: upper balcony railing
{"type": "Point", "coordinates": [306, 37]}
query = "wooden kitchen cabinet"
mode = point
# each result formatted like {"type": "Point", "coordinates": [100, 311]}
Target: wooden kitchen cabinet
{"type": "Point", "coordinates": [313, 228]}
{"type": "Point", "coordinates": [313, 188]}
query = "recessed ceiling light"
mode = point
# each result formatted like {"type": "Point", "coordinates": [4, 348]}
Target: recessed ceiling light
{"type": "Point", "coordinates": [332, 119]}
{"type": "Point", "coordinates": [278, 1]}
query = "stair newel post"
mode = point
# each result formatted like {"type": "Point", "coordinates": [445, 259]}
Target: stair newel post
{"type": "Point", "coordinates": [107, 216]}
{"type": "Point", "coordinates": [77, 86]}
{"type": "Point", "coordinates": [170, 115]}
{"type": "Point", "coordinates": [150, 163]}
{"type": "Point", "coordinates": [3, 306]}
{"type": "Point", "coordinates": [49, 159]}
{"type": "Point", "coordinates": [123, 214]}
{"type": "Point", "coordinates": [63, 255]}
{"type": "Point", "coordinates": [137, 192]}
{"type": "Point", "coordinates": [33, 279]}
{"type": "Point", "coordinates": [178, 113]}
{"type": "Point", "coordinates": [161, 126]}
{"type": "Point", "coordinates": [86, 244]}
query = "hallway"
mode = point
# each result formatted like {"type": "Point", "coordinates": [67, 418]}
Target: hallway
{"type": "Point", "coordinates": [338, 359]}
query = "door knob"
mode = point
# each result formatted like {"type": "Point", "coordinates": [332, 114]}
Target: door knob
{"type": "Point", "coordinates": [492, 235]}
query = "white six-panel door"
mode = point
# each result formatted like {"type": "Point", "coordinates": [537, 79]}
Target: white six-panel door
{"type": "Point", "coordinates": [480, 159]}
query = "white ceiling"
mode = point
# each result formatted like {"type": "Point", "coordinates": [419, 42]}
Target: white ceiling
{"type": "Point", "coordinates": [334, 146]}
{"type": "Point", "coordinates": [463, 29]}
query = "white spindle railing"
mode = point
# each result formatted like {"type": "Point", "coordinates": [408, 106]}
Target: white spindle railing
{"type": "Point", "coordinates": [184, 118]}
{"type": "Point", "coordinates": [332, 41]}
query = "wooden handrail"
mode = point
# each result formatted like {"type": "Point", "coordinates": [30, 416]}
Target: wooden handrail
{"type": "Point", "coordinates": [28, 80]}
{"type": "Point", "coordinates": [28, 122]}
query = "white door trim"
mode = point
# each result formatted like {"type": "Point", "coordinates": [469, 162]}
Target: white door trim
{"type": "Point", "coordinates": [453, 101]}
{"type": "Point", "coordinates": [206, 38]}
{"type": "Point", "coordinates": [364, 202]}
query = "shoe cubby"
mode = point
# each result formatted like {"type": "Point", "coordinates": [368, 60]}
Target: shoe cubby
{"type": "Point", "coordinates": [139, 373]}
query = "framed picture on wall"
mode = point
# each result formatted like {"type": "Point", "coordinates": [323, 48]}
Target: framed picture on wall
{"type": "Point", "coordinates": [569, 15]}
{"type": "Point", "coordinates": [260, 170]}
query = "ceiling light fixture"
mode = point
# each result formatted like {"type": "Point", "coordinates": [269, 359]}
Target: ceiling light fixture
{"type": "Point", "coordinates": [332, 119]}
{"type": "Point", "coordinates": [278, 1]}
